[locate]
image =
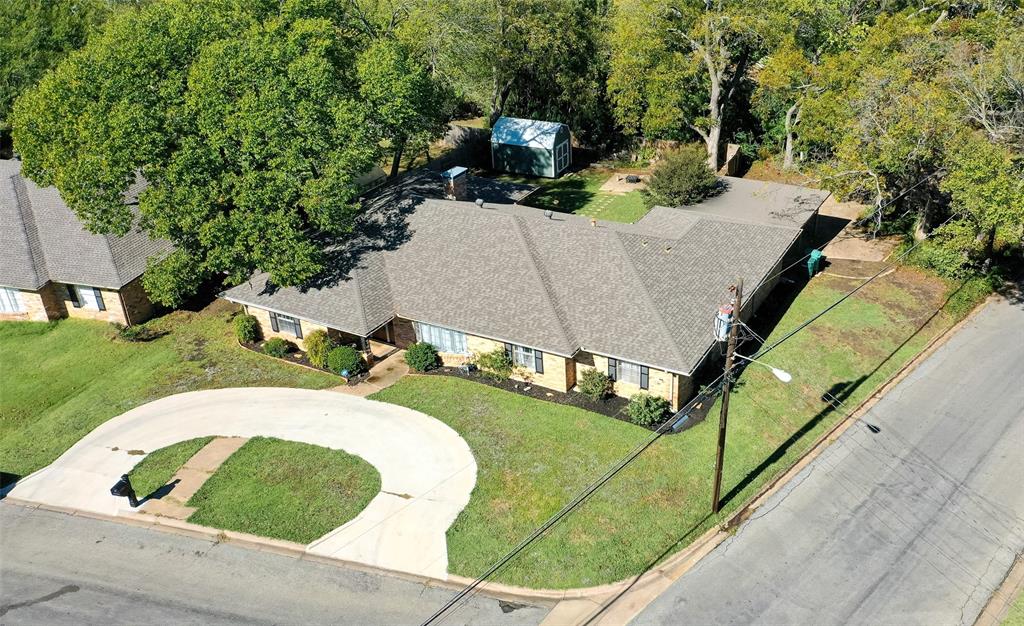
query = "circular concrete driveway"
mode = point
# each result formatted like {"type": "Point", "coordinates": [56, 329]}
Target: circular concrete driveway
{"type": "Point", "coordinates": [427, 470]}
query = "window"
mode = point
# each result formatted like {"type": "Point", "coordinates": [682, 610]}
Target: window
{"type": "Point", "coordinates": [83, 297]}
{"type": "Point", "coordinates": [286, 324]}
{"type": "Point", "coordinates": [10, 301]}
{"type": "Point", "coordinates": [630, 373]}
{"type": "Point", "coordinates": [444, 339]}
{"type": "Point", "coordinates": [528, 358]}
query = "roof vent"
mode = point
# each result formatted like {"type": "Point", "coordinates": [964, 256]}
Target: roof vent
{"type": "Point", "coordinates": [549, 213]}
{"type": "Point", "coordinates": [480, 202]}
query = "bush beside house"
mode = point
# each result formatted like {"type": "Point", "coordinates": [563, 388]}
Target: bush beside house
{"type": "Point", "coordinates": [247, 328]}
{"type": "Point", "coordinates": [318, 346]}
{"type": "Point", "coordinates": [495, 363]}
{"type": "Point", "coordinates": [278, 347]}
{"type": "Point", "coordinates": [344, 360]}
{"type": "Point", "coordinates": [594, 384]}
{"type": "Point", "coordinates": [646, 410]}
{"type": "Point", "coordinates": [421, 357]}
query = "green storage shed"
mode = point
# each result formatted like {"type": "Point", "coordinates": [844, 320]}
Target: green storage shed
{"type": "Point", "coordinates": [530, 147]}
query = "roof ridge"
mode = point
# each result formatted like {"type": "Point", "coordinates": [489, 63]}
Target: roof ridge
{"type": "Point", "coordinates": [545, 281]}
{"type": "Point", "coordinates": [358, 285]}
{"type": "Point", "coordinates": [725, 218]}
{"type": "Point", "coordinates": [28, 218]}
{"type": "Point", "coordinates": [631, 265]}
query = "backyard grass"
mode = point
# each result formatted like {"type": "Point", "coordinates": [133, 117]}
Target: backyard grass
{"type": "Point", "coordinates": [285, 490]}
{"type": "Point", "coordinates": [579, 193]}
{"type": "Point", "coordinates": [159, 466]}
{"type": "Point", "coordinates": [1015, 616]}
{"type": "Point", "coordinates": [534, 456]}
{"type": "Point", "coordinates": [63, 379]}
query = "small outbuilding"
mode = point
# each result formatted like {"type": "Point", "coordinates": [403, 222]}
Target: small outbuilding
{"type": "Point", "coordinates": [530, 147]}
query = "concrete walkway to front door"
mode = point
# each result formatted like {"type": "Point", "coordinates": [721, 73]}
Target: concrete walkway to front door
{"type": "Point", "coordinates": [191, 476]}
{"type": "Point", "coordinates": [427, 470]}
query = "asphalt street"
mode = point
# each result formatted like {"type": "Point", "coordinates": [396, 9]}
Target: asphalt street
{"type": "Point", "coordinates": [915, 524]}
{"type": "Point", "coordinates": [60, 569]}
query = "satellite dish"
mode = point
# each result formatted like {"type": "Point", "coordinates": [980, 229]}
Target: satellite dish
{"type": "Point", "coordinates": [548, 213]}
{"type": "Point", "coordinates": [479, 202]}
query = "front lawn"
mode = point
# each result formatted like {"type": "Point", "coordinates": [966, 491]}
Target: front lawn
{"type": "Point", "coordinates": [286, 490]}
{"type": "Point", "coordinates": [580, 193]}
{"type": "Point", "coordinates": [63, 379]}
{"type": "Point", "coordinates": [534, 456]}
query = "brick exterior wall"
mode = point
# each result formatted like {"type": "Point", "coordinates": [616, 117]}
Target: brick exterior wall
{"type": "Point", "coordinates": [39, 306]}
{"type": "Point", "coordinates": [660, 383]}
{"type": "Point", "coordinates": [267, 330]}
{"type": "Point", "coordinates": [136, 302]}
{"type": "Point", "coordinates": [114, 308]}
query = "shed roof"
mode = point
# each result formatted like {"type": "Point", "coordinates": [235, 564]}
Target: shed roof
{"type": "Point", "coordinates": [42, 240]}
{"type": "Point", "coordinates": [530, 133]}
{"type": "Point", "coordinates": [645, 293]}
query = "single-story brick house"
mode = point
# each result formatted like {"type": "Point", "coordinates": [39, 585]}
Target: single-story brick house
{"type": "Point", "coordinates": [52, 267]}
{"type": "Point", "coordinates": [560, 292]}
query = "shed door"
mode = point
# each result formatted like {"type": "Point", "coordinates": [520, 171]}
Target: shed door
{"type": "Point", "coordinates": [561, 156]}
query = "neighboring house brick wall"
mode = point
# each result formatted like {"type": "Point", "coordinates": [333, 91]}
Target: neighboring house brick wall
{"type": "Point", "coordinates": [136, 301]}
{"type": "Point", "coordinates": [39, 306]}
{"type": "Point", "coordinates": [114, 308]}
{"type": "Point", "coordinates": [267, 329]}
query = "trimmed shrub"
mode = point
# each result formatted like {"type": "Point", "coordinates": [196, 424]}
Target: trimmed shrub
{"type": "Point", "coordinates": [421, 356]}
{"type": "Point", "coordinates": [344, 359]}
{"type": "Point", "coordinates": [681, 177]}
{"type": "Point", "coordinates": [645, 409]}
{"type": "Point", "coordinates": [133, 333]}
{"type": "Point", "coordinates": [278, 347]}
{"type": "Point", "coordinates": [318, 345]}
{"type": "Point", "coordinates": [594, 384]}
{"type": "Point", "coordinates": [247, 328]}
{"type": "Point", "coordinates": [495, 364]}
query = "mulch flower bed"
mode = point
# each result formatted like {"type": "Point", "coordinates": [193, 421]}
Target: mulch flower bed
{"type": "Point", "coordinates": [614, 406]}
{"type": "Point", "coordinates": [298, 357]}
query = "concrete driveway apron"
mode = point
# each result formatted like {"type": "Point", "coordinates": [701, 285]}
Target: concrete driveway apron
{"type": "Point", "coordinates": [427, 470]}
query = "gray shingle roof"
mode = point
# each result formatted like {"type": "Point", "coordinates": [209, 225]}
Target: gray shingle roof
{"type": "Point", "coordinates": [643, 292]}
{"type": "Point", "coordinates": [43, 240]}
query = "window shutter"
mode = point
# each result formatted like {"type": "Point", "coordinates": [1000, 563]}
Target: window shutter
{"type": "Point", "coordinates": [73, 296]}
{"type": "Point", "coordinates": [298, 328]}
{"type": "Point", "coordinates": [273, 321]}
{"type": "Point", "coordinates": [508, 351]}
{"type": "Point", "coordinates": [645, 377]}
{"type": "Point", "coordinates": [612, 369]}
{"type": "Point", "coordinates": [99, 299]}
{"type": "Point", "coordinates": [538, 361]}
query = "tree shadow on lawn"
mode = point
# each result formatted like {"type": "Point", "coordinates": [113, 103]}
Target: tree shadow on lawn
{"type": "Point", "coordinates": [567, 195]}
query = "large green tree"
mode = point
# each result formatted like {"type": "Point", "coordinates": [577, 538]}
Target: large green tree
{"type": "Point", "coordinates": [679, 66]}
{"type": "Point", "coordinates": [244, 117]}
{"type": "Point", "coordinates": [34, 36]}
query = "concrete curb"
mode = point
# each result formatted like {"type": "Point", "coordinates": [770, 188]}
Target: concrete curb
{"type": "Point", "coordinates": [995, 610]}
{"type": "Point", "coordinates": [571, 606]}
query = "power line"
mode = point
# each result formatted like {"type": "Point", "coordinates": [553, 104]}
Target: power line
{"type": "Point", "coordinates": [677, 418]}
{"type": "Point", "coordinates": [568, 508]}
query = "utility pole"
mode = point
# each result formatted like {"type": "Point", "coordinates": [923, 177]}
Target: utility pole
{"type": "Point", "coordinates": [723, 418]}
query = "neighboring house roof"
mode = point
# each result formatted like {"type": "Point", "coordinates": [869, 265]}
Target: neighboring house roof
{"type": "Point", "coordinates": [530, 133]}
{"type": "Point", "coordinates": [42, 240]}
{"type": "Point", "coordinates": [764, 202]}
{"type": "Point", "coordinates": [643, 292]}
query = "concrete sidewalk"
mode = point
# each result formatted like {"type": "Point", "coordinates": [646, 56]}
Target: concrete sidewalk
{"type": "Point", "coordinates": [427, 470]}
